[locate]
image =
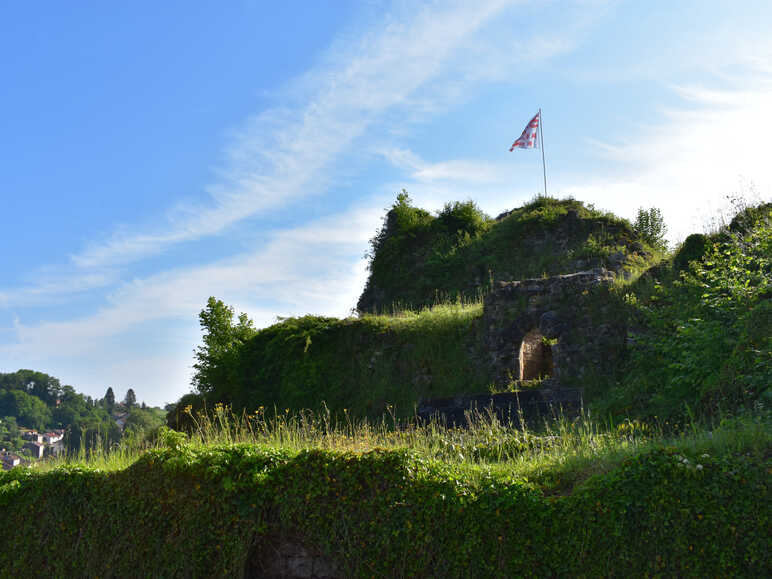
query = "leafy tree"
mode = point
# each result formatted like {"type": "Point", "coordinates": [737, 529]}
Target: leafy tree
{"type": "Point", "coordinates": [38, 384]}
{"type": "Point", "coordinates": [143, 422]}
{"type": "Point", "coordinates": [109, 399]}
{"type": "Point", "coordinates": [9, 433]}
{"type": "Point", "coordinates": [462, 217]}
{"type": "Point", "coordinates": [215, 360]}
{"type": "Point", "coordinates": [29, 410]}
{"type": "Point", "coordinates": [131, 398]}
{"type": "Point", "coordinates": [650, 226]}
{"type": "Point", "coordinates": [703, 336]}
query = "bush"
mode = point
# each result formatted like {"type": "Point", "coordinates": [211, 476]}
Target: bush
{"type": "Point", "coordinates": [192, 512]}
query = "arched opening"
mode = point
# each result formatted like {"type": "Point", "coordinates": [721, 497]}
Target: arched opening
{"type": "Point", "coordinates": [535, 356]}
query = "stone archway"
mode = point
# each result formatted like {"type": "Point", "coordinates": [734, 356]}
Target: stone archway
{"type": "Point", "coordinates": [535, 357]}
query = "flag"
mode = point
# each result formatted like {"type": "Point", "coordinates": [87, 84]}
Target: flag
{"type": "Point", "coordinates": [530, 137]}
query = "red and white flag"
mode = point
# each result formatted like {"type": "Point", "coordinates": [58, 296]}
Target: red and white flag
{"type": "Point", "coordinates": [530, 137]}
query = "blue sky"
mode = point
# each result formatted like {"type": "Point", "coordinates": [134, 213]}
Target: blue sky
{"type": "Point", "coordinates": [157, 153]}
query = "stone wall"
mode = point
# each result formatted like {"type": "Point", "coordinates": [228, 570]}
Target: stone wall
{"type": "Point", "coordinates": [565, 314]}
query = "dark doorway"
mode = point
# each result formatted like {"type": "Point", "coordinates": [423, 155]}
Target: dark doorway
{"type": "Point", "coordinates": [535, 356]}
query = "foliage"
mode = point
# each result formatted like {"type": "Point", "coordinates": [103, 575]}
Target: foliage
{"type": "Point", "coordinates": [28, 409]}
{"type": "Point", "coordinates": [143, 422]}
{"type": "Point", "coordinates": [692, 506]}
{"type": "Point", "coordinates": [395, 360]}
{"type": "Point", "coordinates": [214, 360]}
{"type": "Point", "coordinates": [693, 248]}
{"type": "Point", "coordinates": [109, 399]}
{"type": "Point", "coordinates": [417, 259]}
{"type": "Point", "coordinates": [10, 437]}
{"type": "Point", "coordinates": [650, 226]}
{"type": "Point", "coordinates": [701, 336]}
{"type": "Point", "coordinates": [131, 398]}
{"type": "Point", "coordinates": [36, 400]}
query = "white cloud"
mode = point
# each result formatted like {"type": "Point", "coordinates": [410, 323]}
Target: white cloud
{"type": "Point", "coordinates": [456, 170]}
{"type": "Point", "coordinates": [687, 164]}
{"type": "Point", "coordinates": [56, 285]}
{"type": "Point", "coordinates": [281, 155]}
{"type": "Point", "coordinates": [313, 268]}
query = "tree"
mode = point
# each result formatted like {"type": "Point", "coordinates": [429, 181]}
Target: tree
{"type": "Point", "coordinates": [143, 422]}
{"type": "Point", "coordinates": [650, 226]}
{"type": "Point", "coordinates": [214, 360]}
{"type": "Point", "coordinates": [9, 433]}
{"type": "Point", "coordinates": [131, 398]}
{"type": "Point", "coordinates": [30, 411]}
{"type": "Point", "coordinates": [45, 387]}
{"type": "Point", "coordinates": [109, 399]}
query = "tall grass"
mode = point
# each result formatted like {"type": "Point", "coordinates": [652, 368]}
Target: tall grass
{"type": "Point", "coordinates": [556, 456]}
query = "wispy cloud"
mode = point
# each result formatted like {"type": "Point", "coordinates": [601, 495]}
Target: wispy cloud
{"type": "Point", "coordinates": [456, 170]}
{"type": "Point", "coordinates": [313, 268]}
{"type": "Point", "coordinates": [712, 146]}
{"type": "Point", "coordinates": [280, 155]}
{"type": "Point", "coordinates": [417, 64]}
{"type": "Point", "coordinates": [55, 285]}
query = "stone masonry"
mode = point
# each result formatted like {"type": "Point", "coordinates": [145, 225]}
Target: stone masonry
{"type": "Point", "coordinates": [548, 327]}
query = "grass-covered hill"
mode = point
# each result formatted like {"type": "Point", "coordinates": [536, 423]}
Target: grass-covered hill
{"type": "Point", "coordinates": [666, 475]}
{"type": "Point", "coordinates": [418, 259]}
{"type": "Point", "coordinates": [692, 332]}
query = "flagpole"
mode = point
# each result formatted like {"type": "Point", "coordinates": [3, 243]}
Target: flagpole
{"type": "Point", "coordinates": [543, 164]}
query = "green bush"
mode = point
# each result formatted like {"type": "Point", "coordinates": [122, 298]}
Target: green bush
{"type": "Point", "coordinates": [195, 512]}
{"type": "Point", "coordinates": [693, 248]}
{"type": "Point", "coordinates": [417, 259]}
{"type": "Point", "coordinates": [700, 337]}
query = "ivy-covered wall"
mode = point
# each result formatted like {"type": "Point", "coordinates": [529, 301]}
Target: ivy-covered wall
{"type": "Point", "coordinates": [220, 512]}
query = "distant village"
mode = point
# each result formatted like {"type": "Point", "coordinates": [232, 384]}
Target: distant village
{"type": "Point", "coordinates": [39, 445]}
{"type": "Point", "coordinates": [36, 444]}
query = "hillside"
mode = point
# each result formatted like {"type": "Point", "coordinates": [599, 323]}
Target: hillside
{"type": "Point", "coordinates": [34, 404]}
{"type": "Point", "coordinates": [640, 339]}
{"type": "Point", "coordinates": [418, 259]}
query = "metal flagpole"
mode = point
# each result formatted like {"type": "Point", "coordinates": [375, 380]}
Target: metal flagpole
{"type": "Point", "coordinates": [543, 164]}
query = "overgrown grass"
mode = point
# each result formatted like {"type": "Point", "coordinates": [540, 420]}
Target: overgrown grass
{"type": "Point", "coordinates": [555, 456]}
{"type": "Point", "coordinates": [576, 498]}
{"type": "Point", "coordinates": [361, 364]}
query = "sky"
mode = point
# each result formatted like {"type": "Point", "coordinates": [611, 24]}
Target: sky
{"type": "Point", "coordinates": [154, 154]}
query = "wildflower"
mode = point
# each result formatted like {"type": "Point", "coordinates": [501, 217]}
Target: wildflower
{"type": "Point", "coordinates": [699, 467]}
{"type": "Point", "coordinates": [706, 455]}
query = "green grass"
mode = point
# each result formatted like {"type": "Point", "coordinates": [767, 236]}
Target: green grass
{"type": "Point", "coordinates": [575, 498]}
{"type": "Point", "coordinates": [556, 456]}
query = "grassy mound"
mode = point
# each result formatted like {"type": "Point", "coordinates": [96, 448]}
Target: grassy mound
{"type": "Point", "coordinates": [417, 258]}
{"type": "Point", "coordinates": [697, 328]}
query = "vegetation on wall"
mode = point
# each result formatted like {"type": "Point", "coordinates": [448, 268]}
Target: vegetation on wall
{"type": "Point", "coordinates": [696, 342]}
{"type": "Point", "coordinates": [700, 330]}
{"type": "Point", "coordinates": [357, 364]}
{"type": "Point", "coordinates": [690, 506]}
{"type": "Point", "coordinates": [417, 259]}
